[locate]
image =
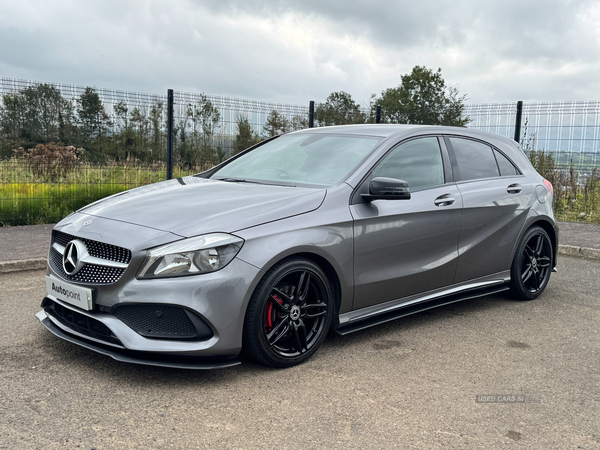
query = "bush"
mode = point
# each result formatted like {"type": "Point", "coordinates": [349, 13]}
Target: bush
{"type": "Point", "coordinates": [49, 162]}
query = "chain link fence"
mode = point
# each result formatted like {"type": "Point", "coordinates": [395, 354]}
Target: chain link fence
{"type": "Point", "coordinates": [63, 146]}
{"type": "Point", "coordinates": [569, 130]}
{"type": "Point", "coordinates": [562, 140]}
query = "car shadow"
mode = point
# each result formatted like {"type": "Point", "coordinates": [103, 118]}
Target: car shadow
{"type": "Point", "coordinates": [437, 315]}
{"type": "Point", "coordinates": [63, 355]}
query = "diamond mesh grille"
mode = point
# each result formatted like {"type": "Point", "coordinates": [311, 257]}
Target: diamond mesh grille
{"type": "Point", "coordinates": [97, 249]}
{"type": "Point", "coordinates": [90, 273]}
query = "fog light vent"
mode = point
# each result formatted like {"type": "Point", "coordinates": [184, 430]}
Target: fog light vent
{"type": "Point", "coordinates": [163, 322]}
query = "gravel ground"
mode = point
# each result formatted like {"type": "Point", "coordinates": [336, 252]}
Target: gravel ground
{"type": "Point", "coordinates": [412, 383]}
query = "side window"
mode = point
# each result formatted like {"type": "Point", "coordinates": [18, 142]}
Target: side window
{"type": "Point", "coordinates": [418, 162]}
{"type": "Point", "coordinates": [506, 167]}
{"type": "Point", "coordinates": [475, 160]}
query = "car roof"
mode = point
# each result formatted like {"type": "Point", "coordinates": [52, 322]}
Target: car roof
{"type": "Point", "coordinates": [378, 130]}
{"type": "Point", "coordinates": [402, 130]}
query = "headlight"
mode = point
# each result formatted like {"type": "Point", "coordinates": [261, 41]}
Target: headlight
{"type": "Point", "coordinates": [201, 254]}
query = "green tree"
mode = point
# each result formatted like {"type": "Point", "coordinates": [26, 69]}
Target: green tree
{"type": "Point", "coordinates": [34, 115]}
{"type": "Point", "coordinates": [339, 109]}
{"type": "Point", "coordinates": [93, 123]}
{"type": "Point", "coordinates": [139, 133]}
{"type": "Point", "coordinates": [298, 123]}
{"type": "Point", "coordinates": [422, 98]}
{"type": "Point", "coordinates": [196, 132]}
{"type": "Point", "coordinates": [246, 137]}
{"type": "Point", "coordinates": [159, 135]}
{"type": "Point", "coordinates": [67, 129]}
{"type": "Point", "coordinates": [11, 120]}
{"type": "Point", "coordinates": [131, 136]}
{"type": "Point", "coordinates": [275, 124]}
{"type": "Point", "coordinates": [124, 138]}
{"type": "Point", "coordinates": [140, 124]}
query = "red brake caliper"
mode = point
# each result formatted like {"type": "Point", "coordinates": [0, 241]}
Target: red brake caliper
{"type": "Point", "coordinates": [270, 313]}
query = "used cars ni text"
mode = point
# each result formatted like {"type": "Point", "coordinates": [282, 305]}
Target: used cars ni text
{"type": "Point", "coordinates": [328, 228]}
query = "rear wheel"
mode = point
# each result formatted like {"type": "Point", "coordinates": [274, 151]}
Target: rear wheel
{"type": "Point", "coordinates": [532, 265]}
{"type": "Point", "coordinates": [289, 314]}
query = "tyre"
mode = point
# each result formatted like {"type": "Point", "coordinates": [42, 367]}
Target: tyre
{"type": "Point", "coordinates": [289, 314]}
{"type": "Point", "coordinates": [532, 265]}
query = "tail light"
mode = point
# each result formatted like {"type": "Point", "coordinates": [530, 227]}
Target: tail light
{"type": "Point", "coordinates": [549, 186]}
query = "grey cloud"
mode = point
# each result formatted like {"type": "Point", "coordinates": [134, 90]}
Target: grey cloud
{"type": "Point", "coordinates": [494, 51]}
{"type": "Point", "coordinates": [396, 24]}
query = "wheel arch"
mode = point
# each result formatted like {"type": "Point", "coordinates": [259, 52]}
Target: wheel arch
{"type": "Point", "coordinates": [548, 226]}
{"type": "Point", "coordinates": [255, 341]}
{"type": "Point", "coordinates": [325, 265]}
{"type": "Point", "coordinates": [332, 276]}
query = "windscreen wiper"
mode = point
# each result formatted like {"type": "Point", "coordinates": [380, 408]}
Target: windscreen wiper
{"type": "Point", "coordinates": [238, 180]}
{"type": "Point", "coordinates": [242, 180]}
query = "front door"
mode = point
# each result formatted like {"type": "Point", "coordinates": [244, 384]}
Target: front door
{"type": "Point", "coordinates": [405, 247]}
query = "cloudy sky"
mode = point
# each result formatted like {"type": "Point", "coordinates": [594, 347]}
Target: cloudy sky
{"type": "Point", "coordinates": [296, 51]}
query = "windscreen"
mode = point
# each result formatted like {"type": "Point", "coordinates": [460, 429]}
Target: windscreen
{"type": "Point", "coordinates": [302, 159]}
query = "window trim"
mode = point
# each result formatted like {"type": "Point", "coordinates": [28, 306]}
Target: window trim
{"type": "Point", "coordinates": [363, 185]}
{"type": "Point", "coordinates": [454, 162]}
{"type": "Point", "coordinates": [519, 172]}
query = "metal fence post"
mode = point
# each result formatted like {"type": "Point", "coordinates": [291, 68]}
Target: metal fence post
{"type": "Point", "coordinates": [378, 115]}
{"type": "Point", "coordinates": [169, 134]}
{"type": "Point", "coordinates": [518, 121]}
{"type": "Point", "coordinates": [311, 114]}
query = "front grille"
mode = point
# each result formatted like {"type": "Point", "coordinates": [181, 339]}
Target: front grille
{"type": "Point", "coordinates": [90, 273]}
{"type": "Point", "coordinates": [163, 321]}
{"type": "Point", "coordinates": [78, 322]}
{"type": "Point", "coordinates": [95, 248]}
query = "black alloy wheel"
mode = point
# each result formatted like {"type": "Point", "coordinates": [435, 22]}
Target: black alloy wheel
{"type": "Point", "coordinates": [289, 314]}
{"type": "Point", "coordinates": [532, 264]}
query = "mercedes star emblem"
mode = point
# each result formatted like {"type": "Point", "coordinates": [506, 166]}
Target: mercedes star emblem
{"type": "Point", "coordinates": [73, 255]}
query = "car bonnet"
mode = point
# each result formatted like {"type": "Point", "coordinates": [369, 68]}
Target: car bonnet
{"type": "Point", "coordinates": [191, 206]}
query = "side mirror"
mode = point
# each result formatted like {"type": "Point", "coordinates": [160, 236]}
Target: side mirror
{"type": "Point", "coordinates": [381, 188]}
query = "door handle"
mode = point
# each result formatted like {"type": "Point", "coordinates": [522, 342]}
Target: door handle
{"type": "Point", "coordinates": [514, 188]}
{"type": "Point", "coordinates": [444, 200]}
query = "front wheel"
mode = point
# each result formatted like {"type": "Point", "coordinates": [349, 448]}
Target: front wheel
{"type": "Point", "coordinates": [289, 314]}
{"type": "Point", "coordinates": [532, 265]}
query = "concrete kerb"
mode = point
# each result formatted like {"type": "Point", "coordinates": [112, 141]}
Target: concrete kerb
{"type": "Point", "coordinates": [25, 264]}
{"type": "Point", "coordinates": [581, 252]}
{"type": "Point", "coordinates": [40, 263]}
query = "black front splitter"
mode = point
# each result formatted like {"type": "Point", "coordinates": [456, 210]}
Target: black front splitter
{"type": "Point", "coordinates": [134, 357]}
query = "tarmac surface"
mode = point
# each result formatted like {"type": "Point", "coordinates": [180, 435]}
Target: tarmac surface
{"type": "Point", "coordinates": [26, 248]}
{"type": "Point", "coordinates": [487, 373]}
{"type": "Point", "coordinates": [484, 373]}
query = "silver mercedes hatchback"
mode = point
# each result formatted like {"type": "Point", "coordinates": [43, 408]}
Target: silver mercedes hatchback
{"type": "Point", "coordinates": [330, 228]}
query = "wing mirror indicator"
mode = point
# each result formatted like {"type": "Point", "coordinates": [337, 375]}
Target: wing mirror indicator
{"type": "Point", "coordinates": [381, 188]}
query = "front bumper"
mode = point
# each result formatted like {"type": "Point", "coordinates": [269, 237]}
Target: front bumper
{"type": "Point", "coordinates": [219, 299]}
{"type": "Point", "coordinates": [136, 357]}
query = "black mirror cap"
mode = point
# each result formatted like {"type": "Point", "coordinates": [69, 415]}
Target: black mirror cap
{"type": "Point", "coordinates": [382, 188]}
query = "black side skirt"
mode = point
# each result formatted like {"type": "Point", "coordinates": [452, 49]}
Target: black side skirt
{"type": "Point", "coordinates": [417, 308]}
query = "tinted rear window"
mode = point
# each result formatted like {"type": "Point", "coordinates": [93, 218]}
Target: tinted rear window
{"type": "Point", "coordinates": [506, 167]}
{"type": "Point", "coordinates": [475, 160]}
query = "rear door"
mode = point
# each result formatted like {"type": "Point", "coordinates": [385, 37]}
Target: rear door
{"type": "Point", "coordinates": [404, 247]}
{"type": "Point", "coordinates": [495, 204]}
